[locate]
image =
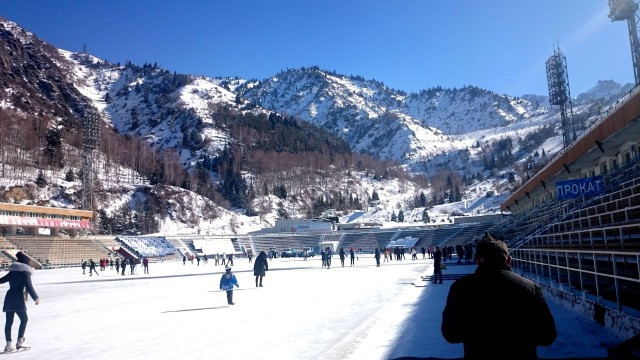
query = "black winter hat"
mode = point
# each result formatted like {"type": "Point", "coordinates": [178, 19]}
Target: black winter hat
{"type": "Point", "coordinates": [22, 257]}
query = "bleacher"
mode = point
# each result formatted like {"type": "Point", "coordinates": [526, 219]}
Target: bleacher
{"type": "Point", "coordinates": [282, 241]}
{"type": "Point", "coordinates": [588, 247]}
{"type": "Point", "coordinates": [59, 252]}
{"type": "Point", "coordinates": [151, 247]}
{"type": "Point", "coordinates": [405, 242]}
{"type": "Point", "coordinates": [212, 246]}
{"type": "Point", "coordinates": [367, 240]}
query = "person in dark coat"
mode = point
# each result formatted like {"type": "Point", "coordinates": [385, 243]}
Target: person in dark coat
{"type": "Point", "coordinates": [496, 297]}
{"type": "Point", "coordinates": [92, 267]}
{"type": "Point", "coordinates": [124, 264]}
{"type": "Point", "coordinates": [437, 265]}
{"type": "Point", "coordinates": [84, 266]}
{"type": "Point", "coordinates": [19, 278]}
{"type": "Point", "coordinates": [145, 264]}
{"type": "Point", "coordinates": [260, 267]}
{"type": "Point", "coordinates": [342, 255]}
{"type": "Point", "coordinates": [376, 254]}
{"type": "Point", "coordinates": [352, 256]}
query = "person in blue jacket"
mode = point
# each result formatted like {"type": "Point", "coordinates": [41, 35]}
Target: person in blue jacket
{"type": "Point", "coordinates": [227, 282]}
{"type": "Point", "coordinates": [19, 278]}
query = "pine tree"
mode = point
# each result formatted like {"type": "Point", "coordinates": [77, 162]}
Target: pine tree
{"type": "Point", "coordinates": [40, 180]}
{"type": "Point", "coordinates": [423, 199]}
{"type": "Point", "coordinates": [69, 176]}
{"type": "Point", "coordinates": [53, 148]}
{"type": "Point", "coordinates": [425, 216]}
{"type": "Point", "coordinates": [282, 212]}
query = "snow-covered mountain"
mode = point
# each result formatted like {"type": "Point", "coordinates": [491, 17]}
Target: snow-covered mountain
{"type": "Point", "coordinates": [191, 122]}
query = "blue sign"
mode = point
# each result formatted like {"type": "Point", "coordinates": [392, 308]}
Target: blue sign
{"type": "Point", "coordinates": [571, 189]}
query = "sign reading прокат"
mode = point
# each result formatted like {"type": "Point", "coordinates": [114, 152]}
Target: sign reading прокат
{"type": "Point", "coordinates": [588, 187]}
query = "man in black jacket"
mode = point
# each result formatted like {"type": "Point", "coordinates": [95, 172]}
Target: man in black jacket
{"type": "Point", "coordinates": [496, 313]}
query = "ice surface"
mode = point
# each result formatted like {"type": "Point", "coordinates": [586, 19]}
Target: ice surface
{"type": "Point", "coordinates": [302, 312]}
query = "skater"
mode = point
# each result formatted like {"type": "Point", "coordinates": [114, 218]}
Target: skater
{"type": "Point", "coordinates": [145, 264]}
{"type": "Point", "coordinates": [250, 256]}
{"type": "Point", "coordinates": [423, 251]}
{"type": "Point", "coordinates": [184, 260]}
{"type": "Point", "coordinates": [376, 254]}
{"type": "Point", "coordinates": [92, 268]}
{"type": "Point", "coordinates": [475, 300]}
{"type": "Point", "coordinates": [227, 281]}
{"type": "Point", "coordinates": [352, 256]}
{"type": "Point", "coordinates": [216, 259]}
{"type": "Point", "coordinates": [19, 278]}
{"type": "Point", "coordinates": [198, 259]}
{"type": "Point", "coordinates": [323, 256]}
{"type": "Point", "coordinates": [117, 265]}
{"type": "Point", "coordinates": [437, 266]}
{"type": "Point", "coordinates": [224, 258]}
{"type": "Point", "coordinates": [84, 266]}
{"type": "Point", "coordinates": [342, 256]}
{"type": "Point", "coordinates": [124, 265]}
{"type": "Point", "coordinates": [260, 267]}
{"type": "Point", "coordinates": [230, 262]}
{"type": "Point", "coordinates": [132, 265]}
{"type": "Point", "coordinates": [329, 255]}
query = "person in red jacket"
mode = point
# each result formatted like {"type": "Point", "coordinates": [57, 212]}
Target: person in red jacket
{"type": "Point", "coordinates": [19, 278]}
{"type": "Point", "coordinates": [496, 313]}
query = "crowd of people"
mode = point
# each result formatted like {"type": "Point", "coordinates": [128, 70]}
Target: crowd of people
{"type": "Point", "coordinates": [493, 287]}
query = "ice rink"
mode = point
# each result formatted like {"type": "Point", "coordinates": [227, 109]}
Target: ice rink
{"type": "Point", "coordinates": [302, 312]}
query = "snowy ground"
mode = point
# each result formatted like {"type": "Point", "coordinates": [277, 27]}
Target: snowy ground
{"type": "Point", "coordinates": [302, 312]}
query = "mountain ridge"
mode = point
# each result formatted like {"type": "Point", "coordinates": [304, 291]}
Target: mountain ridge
{"type": "Point", "coordinates": [465, 134]}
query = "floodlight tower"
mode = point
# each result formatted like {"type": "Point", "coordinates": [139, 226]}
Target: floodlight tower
{"type": "Point", "coordinates": [620, 10]}
{"type": "Point", "coordinates": [90, 142]}
{"type": "Point", "coordinates": [559, 94]}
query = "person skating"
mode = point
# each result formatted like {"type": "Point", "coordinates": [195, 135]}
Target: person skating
{"type": "Point", "coordinates": [227, 282]}
{"type": "Point", "coordinates": [437, 266]}
{"type": "Point", "coordinates": [377, 256]}
{"type": "Point", "coordinates": [145, 264]}
{"type": "Point", "coordinates": [260, 267]}
{"type": "Point", "coordinates": [352, 256]}
{"type": "Point", "coordinates": [92, 267]}
{"type": "Point", "coordinates": [342, 255]}
{"type": "Point", "coordinates": [123, 265]}
{"type": "Point", "coordinates": [19, 278]}
{"type": "Point", "coordinates": [84, 266]}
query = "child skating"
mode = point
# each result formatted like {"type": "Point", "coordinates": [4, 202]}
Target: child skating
{"type": "Point", "coordinates": [227, 281]}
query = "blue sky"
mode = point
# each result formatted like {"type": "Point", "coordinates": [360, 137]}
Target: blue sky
{"type": "Point", "coordinates": [499, 45]}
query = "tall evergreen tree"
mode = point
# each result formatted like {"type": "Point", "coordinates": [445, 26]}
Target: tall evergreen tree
{"type": "Point", "coordinates": [425, 216]}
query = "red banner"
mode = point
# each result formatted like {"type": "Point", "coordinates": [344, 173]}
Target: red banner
{"type": "Point", "coordinates": [43, 222]}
